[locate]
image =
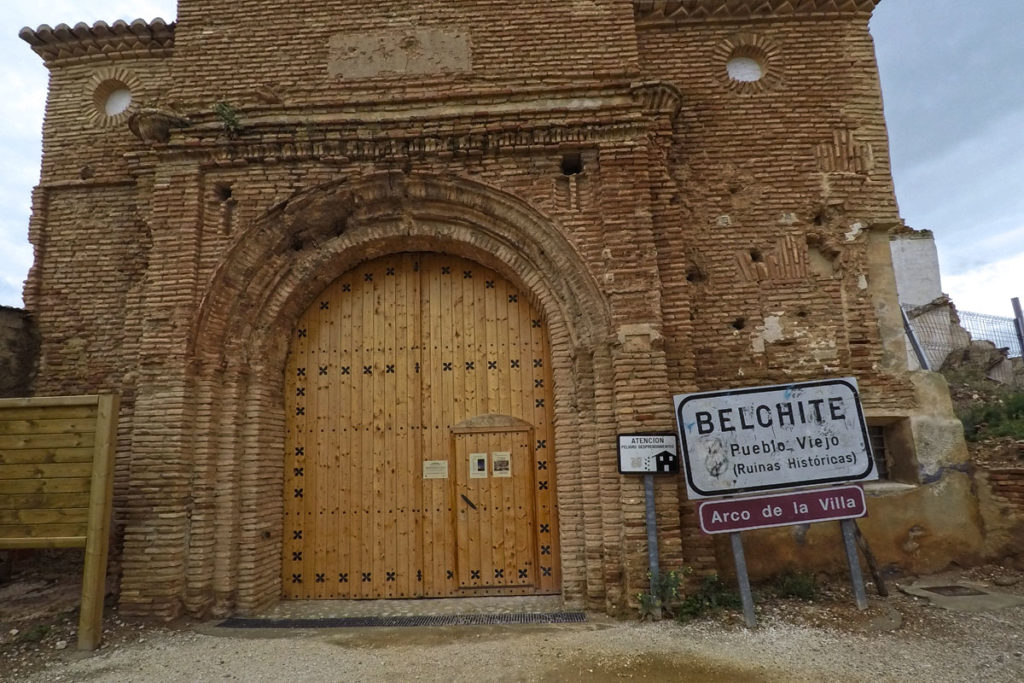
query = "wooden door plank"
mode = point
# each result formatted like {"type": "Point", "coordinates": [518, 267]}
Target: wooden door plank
{"type": "Point", "coordinates": [366, 512]}
{"type": "Point", "coordinates": [379, 587]}
{"type": "Point", "coordinates": [344, 573]}
{"type": "Point", "coordinates": [402, 429]}
{"type": "Point", "coordinates": [387, 456]}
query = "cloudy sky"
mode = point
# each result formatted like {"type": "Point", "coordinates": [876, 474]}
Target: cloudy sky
{"type": "Point", "coordinates": [954, 99]}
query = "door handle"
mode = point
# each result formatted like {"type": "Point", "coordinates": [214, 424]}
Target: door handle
{"type": "Point", "coordinates": [468, 501]}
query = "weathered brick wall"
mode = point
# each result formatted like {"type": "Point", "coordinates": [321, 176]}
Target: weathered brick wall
{"type": "Point", "coordinates": [679, 232]}
{"type": "Point", "coordinates": [1008, 487]}
{"type": "Point", "coordinates": [19, 347]}
{"type": "Point", "coordinates": [764, 221]}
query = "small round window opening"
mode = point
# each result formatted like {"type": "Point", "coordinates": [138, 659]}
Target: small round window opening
{"type": "Point", "coordinates": [117, 102]}
{"type": "Point", "coordinates": [745, 69]}
{"type": "Point", "coordinates": [112, 98]}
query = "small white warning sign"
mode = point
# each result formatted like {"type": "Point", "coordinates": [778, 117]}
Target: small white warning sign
{"type": "Point", "coordinates": [648, 454]}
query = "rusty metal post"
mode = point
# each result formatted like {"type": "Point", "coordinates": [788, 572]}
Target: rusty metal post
{"type": "Point", "coordinates": [1018, 318]}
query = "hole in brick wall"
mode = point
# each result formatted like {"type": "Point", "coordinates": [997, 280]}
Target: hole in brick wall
{"type": "Point", "coordinates": [695, 274]}
{"type": "Point", "coordinates": [801, 313]}
{"type": "Point", "coordinates": [572, 163]}
{"type": "Point", "coordinates": [739, 323]}
{"type": "Point", "coordinates": [223, 192]}
{"type": "Point", "coordinates": [756, 256]}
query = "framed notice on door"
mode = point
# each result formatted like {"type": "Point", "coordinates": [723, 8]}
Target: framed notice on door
{"type": "Point", "coordinates": [501, 464]}
{"type": "Point", "coordinates": [477, 465]}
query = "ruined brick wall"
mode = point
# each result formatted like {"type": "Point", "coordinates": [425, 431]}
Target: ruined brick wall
{"type": "Point", "coordinates": [778, 191]}
{"type": "Point", "coordinates": [677, 230]}
{"type": "Point", "coordinates": [19, 347]}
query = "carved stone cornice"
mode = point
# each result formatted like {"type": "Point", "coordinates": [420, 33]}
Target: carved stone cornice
{"type": "Point", "coordinates": [353, 146]}
{"type": "Point", "coordinates": [654, 12]}
{"type": "Point", "coordinates": [65, 44]}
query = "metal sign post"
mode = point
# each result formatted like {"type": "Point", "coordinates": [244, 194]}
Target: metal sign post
{"type": "Point", "coordinates": [649, 454]}
{"type": "Point", "coordinates": [743, 579]}
{"type": "Point", "coordinates": [652, 534]}
{"type": "Point", "coordinates": [856, 578]}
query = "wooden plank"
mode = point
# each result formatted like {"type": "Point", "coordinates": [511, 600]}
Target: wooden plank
{"type": "Point", "coordinates": [41, 531]}
{"type": "Point", "coordinates": [44, 501]}
{"type": "Point", "coordinates": [63, 470]}
{"type": "Point", "coordinates": [434, 492]}
{"type": "Point", "coordinates": [39, 412]}
{"type": "Point", "coordinates": [378, 457]}
{"type": "Point", "coordinates": [447, 409]}
{"type": "Point", "coordinates": [90, 621]}
{"type": "Point", "coordinates": [366, 454]}
{"type": "Point", "coordinates": [388, 455]}
{"type": "Point", "coordinates": [403, 383]}
{"type": "Point", "coordinates": [46, 455]}
{"type": "Point", "coordinates": [10, 427]}
{"type": "Point", "coordinates": [42, 543]}
{"type": "Point", "coordinates": [35, 516]}
{"type": "Point", "coordinates": [414, 342]}
{"type": "Point", "coordinates": [69, 485]}
{"type": "Point", "coordinates": [33, 441]}
{"type": "Point", "coordinates": [344, 569]}
{"type": "Point", "coordinates": [48, 401]}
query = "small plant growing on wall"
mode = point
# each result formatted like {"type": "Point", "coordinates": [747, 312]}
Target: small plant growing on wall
{"type": "Point", "coordinates": [228, 118]}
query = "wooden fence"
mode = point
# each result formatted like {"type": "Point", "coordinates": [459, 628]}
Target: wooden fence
{"type": "Point", "coordinates": [56, 481]}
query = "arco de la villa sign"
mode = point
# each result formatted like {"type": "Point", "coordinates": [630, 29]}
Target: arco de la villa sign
{"type": "Point", "coordinates": [774, 437]}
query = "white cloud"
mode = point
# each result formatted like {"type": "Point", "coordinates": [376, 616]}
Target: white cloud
{"type": "Point", "coordinates": [988, 288]}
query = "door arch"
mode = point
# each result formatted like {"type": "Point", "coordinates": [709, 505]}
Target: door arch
{"type": "Point", "coordinates": [419, 455]}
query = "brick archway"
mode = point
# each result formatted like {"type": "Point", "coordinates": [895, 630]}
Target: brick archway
{"type": "Point", "coordinates": [269, 278]}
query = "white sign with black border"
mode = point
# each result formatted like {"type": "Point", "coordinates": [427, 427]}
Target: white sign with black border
{"type": "Point", "coordinates": [648, 454]}
{"type": "Point", "coordinates": [773, 437]}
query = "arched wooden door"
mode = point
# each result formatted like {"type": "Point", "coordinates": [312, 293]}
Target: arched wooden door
{"type": "Point", "coordinates": [419, 452]}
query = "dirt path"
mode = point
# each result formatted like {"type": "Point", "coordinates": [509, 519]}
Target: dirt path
{"type": "Point", "coordinates": [898, 639]}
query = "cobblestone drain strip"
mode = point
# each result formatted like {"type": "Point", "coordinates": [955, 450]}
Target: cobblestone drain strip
{"type": "Point", "coordinates": [443, 620]}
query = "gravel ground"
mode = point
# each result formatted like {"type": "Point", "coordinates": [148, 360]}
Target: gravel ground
{"type": "Point", "coordinates": [899, 638]}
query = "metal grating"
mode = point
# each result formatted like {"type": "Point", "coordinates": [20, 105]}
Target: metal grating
{"type": "Point", "coordinates": [440, 620]}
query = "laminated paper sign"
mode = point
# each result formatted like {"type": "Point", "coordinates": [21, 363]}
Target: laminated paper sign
{"type": "Point", "coordinates": [477, 465]}
{"type": "Point", "coordinates": [501, 464]}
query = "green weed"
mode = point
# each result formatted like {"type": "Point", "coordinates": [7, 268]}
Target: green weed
{"type": "Point", "coordinates": [711, 596]}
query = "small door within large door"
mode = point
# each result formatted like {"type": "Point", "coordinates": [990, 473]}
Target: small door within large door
{"type": "Point", "coordinates": [494, 502]}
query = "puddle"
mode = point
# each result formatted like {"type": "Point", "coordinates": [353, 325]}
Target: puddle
{"type": "Point", "coordinates": [654, 667]}
{"type": "Point", "coordinates": [383, 638]}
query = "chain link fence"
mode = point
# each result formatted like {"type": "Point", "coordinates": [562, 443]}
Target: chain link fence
{"type": "Point", "coordinates": [1000, 331]}
{"type": "Point", "coordinates": [938, 333]}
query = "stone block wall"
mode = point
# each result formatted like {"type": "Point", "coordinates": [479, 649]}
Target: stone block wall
{"type": "Point", "coordinates": [19, 347]}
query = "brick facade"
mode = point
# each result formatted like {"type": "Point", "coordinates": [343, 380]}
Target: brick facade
{"type": "Point", "coordinates": [680, 230]}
